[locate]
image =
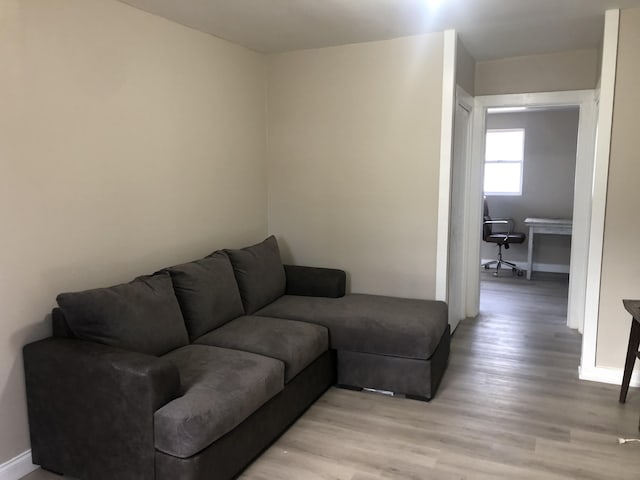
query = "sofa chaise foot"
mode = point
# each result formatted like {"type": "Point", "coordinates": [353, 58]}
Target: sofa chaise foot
{"type": "Point", "coordinates": [48, 470]}
{"type": "Point", "coordinates": [418, 397]}
{"type": "Point", "coordinates": [349, 387]}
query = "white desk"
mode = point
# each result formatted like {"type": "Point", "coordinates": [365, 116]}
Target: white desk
{"type": "Point", "coordinates": [550, 226]}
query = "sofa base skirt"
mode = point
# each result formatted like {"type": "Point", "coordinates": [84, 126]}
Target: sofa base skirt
{"type": "Point", "coordinates": [228, 456]}
{"type": "Point", "coordinates": [414, 378]}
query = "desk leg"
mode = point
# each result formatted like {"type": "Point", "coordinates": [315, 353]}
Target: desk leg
{"type": "Point", "coordinates": [632, 352]}
{"type": "Point", "coordinates": [530, 254]}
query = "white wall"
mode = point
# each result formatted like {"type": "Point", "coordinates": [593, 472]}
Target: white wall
{"type": "Point", "coordinates": [353, 153]}
{"type": "Point", "coordinates": [465, 68]}
{"type": "Point", "coordinates": [548, 182]}
{"type": "Point", "coordinates": [621, 255]}
{"type": "Point", "coordinates": [127, 143]}
{"type": "Point", "coordinates": [573, 70]}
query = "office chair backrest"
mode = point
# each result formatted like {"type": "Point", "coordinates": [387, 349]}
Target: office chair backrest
{"type": "Point", "coordinates": [486, 227]}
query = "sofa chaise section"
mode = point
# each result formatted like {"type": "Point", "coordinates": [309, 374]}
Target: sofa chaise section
{"type": "Point", "coordinates": [385, 343]}
{"type": "Point", "coordinates": [373, 324]}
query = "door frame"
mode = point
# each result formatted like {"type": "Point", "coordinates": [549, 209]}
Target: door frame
{"type": "Point", "coordinates": [458, 260]}
{"type": "Point", "coordinates": [601, 140]}
{"type": "Point", "coordinates": [588, 362]}
{"type": "Point", "coordinates": [446, 150]}
{"type": "Point", "coordinates": [585, 101]}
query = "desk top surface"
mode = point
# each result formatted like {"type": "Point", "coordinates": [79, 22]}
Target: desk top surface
{"type": "Point", "coordinates": [559, 222]}
{"type": "Point", "coordinates": [633, 307]}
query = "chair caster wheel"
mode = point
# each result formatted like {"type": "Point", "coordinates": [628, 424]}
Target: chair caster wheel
{"type": "Point", "coordinates": [520, 273]}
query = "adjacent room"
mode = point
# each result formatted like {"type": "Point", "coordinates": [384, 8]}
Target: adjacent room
{"type": "Point", "coordinates": [245, 239]}
{"type": "Point", "coordinates": [529, 177]}
{"type": "Point", "coordinates": [530, 165]}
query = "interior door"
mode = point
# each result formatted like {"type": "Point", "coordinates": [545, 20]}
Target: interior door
{"type": "Point", "coordinates": [457, 224]}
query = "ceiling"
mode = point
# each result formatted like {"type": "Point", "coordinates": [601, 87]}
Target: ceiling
{"type": "Point", "coordinates": [488, 28]}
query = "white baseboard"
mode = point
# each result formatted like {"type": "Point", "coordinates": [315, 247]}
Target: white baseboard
{"type": "Point", "coordinates": [607, 375]}
{"type": "Point", "coordinates": [17, 467]}
{"type": "Point", "coordinates": [537, 267]}
{"type": "Point", "coordinates": [546, 267]}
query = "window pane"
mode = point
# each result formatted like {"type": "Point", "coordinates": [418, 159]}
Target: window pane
{"type": "Point", "coordinates": [502, 178]}
{"type": "Point", "coordinates": [505, 145]}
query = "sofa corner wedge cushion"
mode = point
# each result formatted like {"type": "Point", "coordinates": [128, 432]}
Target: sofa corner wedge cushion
{"type": "Point", "coordinates": [259, 272]}
{"type": "Point", "coordinates": [142, 316]}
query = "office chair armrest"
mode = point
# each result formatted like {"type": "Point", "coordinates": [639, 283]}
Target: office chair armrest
{"type": "Point", "coordinates": [501, 221]}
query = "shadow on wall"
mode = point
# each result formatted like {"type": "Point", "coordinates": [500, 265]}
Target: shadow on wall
{"type": "Point", "coordinates": [288, 258]}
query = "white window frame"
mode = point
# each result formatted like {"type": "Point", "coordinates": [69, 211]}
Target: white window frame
{"type": "Point", "coordinates": [521, 162]}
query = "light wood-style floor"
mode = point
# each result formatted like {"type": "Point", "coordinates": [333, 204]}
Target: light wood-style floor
{"type": "Point", "coordinates": [510, 407]}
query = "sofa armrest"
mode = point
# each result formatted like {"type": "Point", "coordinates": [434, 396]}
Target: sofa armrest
{"type": "Point", "coordinates": [315, 282]}
{"type": "Point", "coordinates": [91, 407]}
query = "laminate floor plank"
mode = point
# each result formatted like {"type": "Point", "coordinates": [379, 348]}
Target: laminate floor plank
{"type": "Point", "coordinates": [510, 406]}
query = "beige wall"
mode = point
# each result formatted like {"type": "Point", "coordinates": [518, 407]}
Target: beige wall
{"type": "Point", "coordinates": [575, 70]}
{"type": "Point", "coordinates": [353, 153]}
{"type": "Point", "coordinates": [126, 143]}
{"type": "Point", "coordinates": [548, 180]}
{"type": "Point", "coordinates": [465, 68]}
{"type": "Point", "coordinates": [621, 255]}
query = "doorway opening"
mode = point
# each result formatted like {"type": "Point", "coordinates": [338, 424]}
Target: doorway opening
{"type": "Point", "coordinates": [470, 199]}
{"type": "Point", "coordinates": [543, 104]}
{"type": "Point", "coordinates": [528, 189]}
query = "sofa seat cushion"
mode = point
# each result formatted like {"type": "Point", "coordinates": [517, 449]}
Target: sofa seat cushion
{"type": "Point", "coordinates": [370, 323]}
{"type": "Point", "coordinates": [297, 344]}
{"type": "Point", "coordinates": [219, 389]}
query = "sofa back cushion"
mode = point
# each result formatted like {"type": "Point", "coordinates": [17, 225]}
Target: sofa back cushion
{"type": "Point", "coordinates": [260, 274]}
{"type": "Point", "coordinates": [207, 293]}
{"type": "Point", "coordinates": [143, 315]}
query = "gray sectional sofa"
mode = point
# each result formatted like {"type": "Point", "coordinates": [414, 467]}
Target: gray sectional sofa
{"type": "Point", "coordinates": [191, 372]}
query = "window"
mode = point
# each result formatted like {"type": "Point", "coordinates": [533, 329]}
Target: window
{"type": "Point", "coordinates": [504, 155]}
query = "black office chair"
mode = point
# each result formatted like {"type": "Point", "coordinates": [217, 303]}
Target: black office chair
{"type": "Point", "coordinates": [505, 237]}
